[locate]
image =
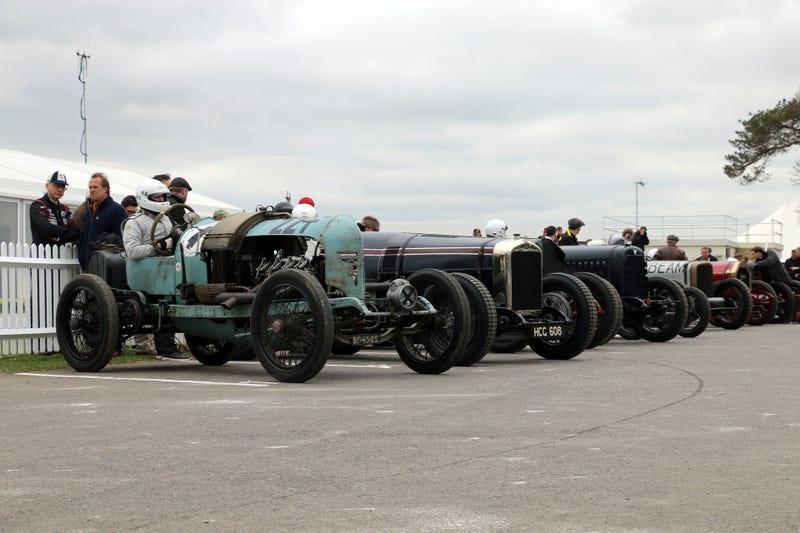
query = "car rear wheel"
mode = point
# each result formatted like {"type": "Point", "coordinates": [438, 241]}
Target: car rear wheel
{"type": "Point", "coordinates": [786, 303]}
{"type": "Point", "coordinates": [666, 314]}
{"type": "Point", "coordinates": [738, 304]}
{"type": "Point", "coordinates": [609, 307]}
{"type": "Point", "coordinates": [292, 326]}
{"type": "Point", "coordinates": [567, 303]}
{"type": "Point", "coordinates": [210, 352]}
{"type": "Point", "coordinates": [483, 319]}
{"type": "Point", "coordinates": [436, 341]}
{"type": "Point", "coordinates": [87, 323]}
{"type": "Point", "coordinates": [698, 312]}
{"type": "Point", "coordinates": [765, 303]}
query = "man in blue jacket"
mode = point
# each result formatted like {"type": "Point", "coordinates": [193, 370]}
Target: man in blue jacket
{"type": "Point", "coordinates": [102, 224]}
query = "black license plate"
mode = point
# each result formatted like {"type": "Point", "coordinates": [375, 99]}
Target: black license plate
{"type": "Point", "coordinates": [555, 331]}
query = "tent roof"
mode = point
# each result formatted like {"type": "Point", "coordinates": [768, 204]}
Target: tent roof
{"type": "Point", "coordinates": [789, 216]}
{"type": "Point", "coordinates": [23, 175]}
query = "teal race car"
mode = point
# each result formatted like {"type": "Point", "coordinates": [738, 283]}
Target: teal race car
{"type": "Point", "coordinates": [294, 286]}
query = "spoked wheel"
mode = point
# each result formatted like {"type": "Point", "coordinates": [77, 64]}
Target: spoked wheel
{"type": "Point", "coordinates": [483, 319]}
{"type": "Point", "coordinates": [698, 312]}
{"type": "Point", "coordinates": [438, 340]}
{"type": "Point", "coordinates": [738, 304]}
{"type": "Point", "coordinates": [786, 304]}
{"type": "Point", "coordinates": [609, 307]}
{"type": "Point", "coordinates": [765, 303]}
{"type": "Point", "coordinates": [567, 304]}
{"type": "Point", "coordinates": [87, 323]}
{"type": "Point", "coordinates": [667, 313]}
{"type": "Point", "coordinates": [210, 352]}
{"type": "Point", "coordinates": [292, 326]}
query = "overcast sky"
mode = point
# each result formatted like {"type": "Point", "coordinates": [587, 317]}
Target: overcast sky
{"type": "Point", "coordinates": [432, 115]}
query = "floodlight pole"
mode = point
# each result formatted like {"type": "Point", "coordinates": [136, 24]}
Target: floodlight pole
{"type": "Point", "coordinates": [636, 184]}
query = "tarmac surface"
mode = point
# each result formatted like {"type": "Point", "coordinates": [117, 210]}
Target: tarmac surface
{"type": "Point", "coordinates": [695, 434]}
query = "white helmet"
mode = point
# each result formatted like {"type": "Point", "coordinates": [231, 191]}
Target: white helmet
{"type": "Point", "coordinates": [496, 228]}
{"type": "Point", "coordinates": [304, 211]}
{"type": "Point", "coordinates": [145, 193]}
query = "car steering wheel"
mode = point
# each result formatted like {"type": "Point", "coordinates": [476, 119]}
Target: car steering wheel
{"type": "Point", "coordinates": [167, 211]}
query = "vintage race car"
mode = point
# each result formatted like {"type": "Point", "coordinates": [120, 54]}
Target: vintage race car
{"type": "Point", "coordinates": [512, 304]}
{"type": "Point", "coordinates": [262, 275]}
{"type": "Point", "coordinates": [773, 301]}
{"type": "Point", "coordinates": [726, 302]}
{"type": "Point", "coordinates": [654, 308]}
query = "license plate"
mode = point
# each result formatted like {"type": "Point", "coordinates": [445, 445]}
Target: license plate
{"type": "Point", "coordinates": [547, 332]}
{"type": "Point", "coordinates": [363, 340]}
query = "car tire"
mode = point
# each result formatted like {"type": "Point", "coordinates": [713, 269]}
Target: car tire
{"type": "Point", "coordinates": [439, 339]}
{"type": "Point", "coordinates": [795, 286]}
{"type": "Point", "coordinates": [209, 352]}
{"type": "Point", "coordinates": [667, 313]}
{"type": "Point", "coordinates": [609, 307]}
{"type": "Point", "coordinates": [87, 323]}
{"type": "Point", "coordinates": [738, 303]}
{"type": "Point", "coordinates": [765, 303]}
{"type": "Point", "coordinates": [292, 326]}
{"type": "Point", "coordinates": [565, 297]}
{"type": "Point", "coordinates": [698, 313]}
{"type": "Point", "coordinates": [483, 319]}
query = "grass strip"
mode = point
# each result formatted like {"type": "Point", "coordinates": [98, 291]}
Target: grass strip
{"type": "Point", "coordinates": [12, 364]}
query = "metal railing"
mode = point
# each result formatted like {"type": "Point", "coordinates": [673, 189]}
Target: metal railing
{"type": "Point", "coordinates": [701, 228]}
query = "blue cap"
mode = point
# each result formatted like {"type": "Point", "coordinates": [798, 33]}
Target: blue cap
{"type": "Point", "coordinates": [58, 179]}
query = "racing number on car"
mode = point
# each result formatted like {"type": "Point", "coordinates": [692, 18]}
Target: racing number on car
{"type": "Point", "coordinates": [289, 227]}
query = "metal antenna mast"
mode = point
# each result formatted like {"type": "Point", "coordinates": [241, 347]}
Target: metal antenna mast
{"type": "Point", "coordinates": [83, 59]}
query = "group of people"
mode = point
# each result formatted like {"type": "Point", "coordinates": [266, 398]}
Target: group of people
{"type": "Point", "coordinates": [101, 221]}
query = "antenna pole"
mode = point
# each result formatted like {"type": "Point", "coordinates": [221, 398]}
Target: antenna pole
{"type": "Point", "coordinates": [83, 68]}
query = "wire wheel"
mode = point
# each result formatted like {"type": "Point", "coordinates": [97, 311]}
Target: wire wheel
{"type": "Point", "coordinates": [209, 352]}
{"type": "Point", "coordinates": [436, 341]}
{"type": "Point", "coordinates": [666, 315]}
{"type": "Point", "coordinates": [292, 326]}
{"type": "Point", "coordinates": [87, 323]}
{"type": "Point", "coordinates": [738, 303]}
{"type": "Point", "coordinates": [765, 303]}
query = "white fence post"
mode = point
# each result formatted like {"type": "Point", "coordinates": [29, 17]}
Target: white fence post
{"type": "Point", "coordinates": [31, 280]}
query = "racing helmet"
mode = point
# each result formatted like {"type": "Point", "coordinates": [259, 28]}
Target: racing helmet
{"type": "Point", "coordinates": [283, 207]}
{"type": "Point", "coordinates": [304, 211]}
{"type": "Point", "coordinates": [496, 228]}
{"type": "Point", "coordinates": [145, 193]}
{"type": "Point", "coordinates": [616, 238]}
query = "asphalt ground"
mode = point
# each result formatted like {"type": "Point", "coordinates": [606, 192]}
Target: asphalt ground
{"type": "Point", "coordinates": [691, 435]}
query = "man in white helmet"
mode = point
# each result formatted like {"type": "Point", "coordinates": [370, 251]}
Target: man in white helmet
{"type": "Point", "coordinates": [496, 228]}
{"type": "Point", "coordinates": [151, 195]}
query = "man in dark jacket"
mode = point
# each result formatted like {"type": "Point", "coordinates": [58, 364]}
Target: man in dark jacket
{"type": "Point", "coordinates": [792, 265]}
{"type": "Point", "coordinates": [102, 224]}
{"type": "Point", "coordinates": [570, 237]}
{"type": "Point", "coordinates": [768, 264]}
{"type": "Point", "coordinates": [51, 221]}
{"type": "Point", "coordinates": [640, 238]}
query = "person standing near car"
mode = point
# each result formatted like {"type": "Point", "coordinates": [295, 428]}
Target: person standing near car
{"type": "Point", "coordinates": [792, 264]}
{"type": "Point", "coordinates": [52, 221]}
{"type": "Point", "coordinates": [640, 238]}
{"type": "Point", "coordinates": [103, 221]}
{"type": "Point", "coordinates": [151, 195]}
{"type": "Point", "coordinates": [670, 252]}
{"type": "Point", "coordinates": [768, 264]}
{"type": "Point", "coordinates": [705, 255]}
{"type": "Point", "coordinates": [570, 237]}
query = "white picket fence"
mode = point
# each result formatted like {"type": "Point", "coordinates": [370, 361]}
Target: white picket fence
{"type": "Point", "coordinates": [31, 279]}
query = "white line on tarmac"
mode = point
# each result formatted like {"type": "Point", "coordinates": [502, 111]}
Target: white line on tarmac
{"type": "Point", "coordinates": [155, 380]}
{"type": "Point", "coordinates": [338, 365]}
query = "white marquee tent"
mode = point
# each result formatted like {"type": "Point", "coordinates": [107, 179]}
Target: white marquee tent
{"type": "Point", "coordinates": [22, 179]}
{"type": "Point", "coordinates": [788, 216]}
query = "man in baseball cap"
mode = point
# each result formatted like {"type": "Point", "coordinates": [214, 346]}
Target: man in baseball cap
{"type": "Point", "coordinates": [51, 221]}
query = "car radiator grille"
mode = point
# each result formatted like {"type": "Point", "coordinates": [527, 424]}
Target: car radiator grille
{"type": "Point", "coordinates": [526, 274]}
